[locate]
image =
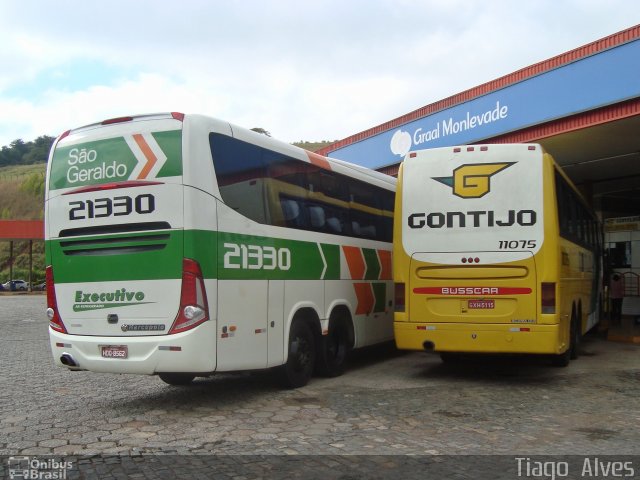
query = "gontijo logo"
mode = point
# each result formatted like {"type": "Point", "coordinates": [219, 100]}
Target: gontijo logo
{"type": "Point", "coordinates": [473, 180]}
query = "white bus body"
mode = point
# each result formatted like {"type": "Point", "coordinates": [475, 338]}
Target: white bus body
{"type": "Point", "coordinates": [181, 245]}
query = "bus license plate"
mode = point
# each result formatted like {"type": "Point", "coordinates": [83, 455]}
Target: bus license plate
{"type": "Point", "coordinates": [482, 304]}
{"type": "Point", "coordinates": [115, 351]}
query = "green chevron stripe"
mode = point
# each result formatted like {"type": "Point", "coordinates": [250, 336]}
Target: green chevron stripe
{"type": "Point", "coordinates": [373, 264]}
{"type": "Point", "coordinates": [380, 294]}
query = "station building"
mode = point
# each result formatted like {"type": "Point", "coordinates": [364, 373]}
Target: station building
{"type": "Point", "coordinates": [582, 106]}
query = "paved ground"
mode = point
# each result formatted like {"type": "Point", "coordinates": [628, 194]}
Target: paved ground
{"type": "Point", "coordinates": [388, 403]}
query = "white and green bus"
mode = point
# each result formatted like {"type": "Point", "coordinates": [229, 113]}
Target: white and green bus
{"type": "Point", "coordinates": [181, 245]}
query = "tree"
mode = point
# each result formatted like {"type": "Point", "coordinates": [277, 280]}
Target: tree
{"type": "Point", "coordinates": [39, 150]}
{"type": "Point", "coordinates": [261, 130]}
{"type": "Point", "coordinates": [20, 153]}
{"type": "Point", "coordinates": [12, 155]}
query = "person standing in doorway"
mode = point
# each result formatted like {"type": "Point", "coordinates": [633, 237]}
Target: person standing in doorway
{"type": "Point", "coordinates": [616, 293]}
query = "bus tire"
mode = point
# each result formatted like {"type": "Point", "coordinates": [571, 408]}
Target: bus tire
{"type": "Point", "coordinates": [563, 359]}
{"type": "Point", "coordinates": [177, 378]}
{"type": "Point", "coordinates": [576, 337]}
{"type": "Point", "coordinates": [297, 371]}
{"type": "Point", "coordinates": [334, 349]}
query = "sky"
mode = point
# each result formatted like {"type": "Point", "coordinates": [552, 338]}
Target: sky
{"type": "Point", "coordinates": [302, 70]}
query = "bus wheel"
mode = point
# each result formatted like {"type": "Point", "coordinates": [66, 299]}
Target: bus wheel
{"type": "Point", "coordinates": [334, 350]}
{"type": "Point", "coordinates": [561, 360]}
{"type": "Point", "coordinates": [176, 378]}
{"type": "Point", "coordinates": [302, 356]}
{"type": "Point", "coordinates": [575, 339]}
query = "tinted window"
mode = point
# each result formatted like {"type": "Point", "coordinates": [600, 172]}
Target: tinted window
{"type": "Point", "coordinates": [274, 189]}
{"type": "Point", "coordinates": [575, 220]}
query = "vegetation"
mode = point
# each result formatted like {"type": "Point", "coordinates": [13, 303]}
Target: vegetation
{"type": "Point", "coordinates": [26, 153]}
{"type": "Point", "coordinates": [22, 172]}
{"type": "Point", "coordinates": [22, 198]}
{"type": "Point", "coordinates": [313, 146]}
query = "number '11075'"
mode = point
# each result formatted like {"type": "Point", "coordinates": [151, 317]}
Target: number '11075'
{"type": "Point", "coordinates": [516, 244]}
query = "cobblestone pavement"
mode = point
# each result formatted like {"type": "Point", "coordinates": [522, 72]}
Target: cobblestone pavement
{"type": "Point", "coordinates": [388, 403]}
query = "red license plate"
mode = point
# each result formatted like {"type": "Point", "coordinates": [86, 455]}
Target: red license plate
{"type": "Point", "coordinates": [114, 351]}
{"type": "Point", "coordinates": [482, 304]}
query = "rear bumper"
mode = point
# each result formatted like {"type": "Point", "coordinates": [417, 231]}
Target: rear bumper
{"type": "Point", "coordinates": [486, 338]}
{"type": "Point", "coordinates": [193, 351]}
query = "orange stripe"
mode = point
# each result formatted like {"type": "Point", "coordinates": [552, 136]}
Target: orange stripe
{"type": "Point", "coordinates": [318, 160]}
{"type": "Point", "coordinates": [385, 264]}
{"type": "Point", "coordinates": [148, 153]}
{"type": "Point", "coordinates": [355, 261]}
{"type": "Point", "coordinates": [364, 294]}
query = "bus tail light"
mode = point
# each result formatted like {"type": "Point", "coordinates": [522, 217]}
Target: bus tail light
{"type": "Point", "coordinates": [548, 298]}
{"type": "Point", "coordinates": [193, 298]}
{"type": "Point", "coordinates": [399, 297]}
{"type": "Point", "coordinates": [55, 322]}
{"type": "Point", "coordinates": [111, 121]}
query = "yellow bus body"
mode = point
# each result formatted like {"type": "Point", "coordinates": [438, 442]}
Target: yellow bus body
{"type": "Point", "coordinates": [497, 307]}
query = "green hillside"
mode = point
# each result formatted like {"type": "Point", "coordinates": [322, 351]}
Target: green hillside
{"type": "Point", "coordinates": [22, 198]}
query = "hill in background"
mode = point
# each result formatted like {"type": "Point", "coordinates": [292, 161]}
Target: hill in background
{"type": "Point", "coordinates": [22, 198]}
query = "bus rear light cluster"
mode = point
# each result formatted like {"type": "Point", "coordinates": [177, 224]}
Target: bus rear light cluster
{"type": "Point", "coordinates": [55, 322]}
{"type": "Point", "coordinates": [548, 297]}
{"type": "Point", "coordinates": [111, 121]}
{"type": "Point", "coordinates": [194, 309]}
{"type": "Point", "coordinates": [470, 260]}
{"type": "Point", "coordinates": [399, 297]}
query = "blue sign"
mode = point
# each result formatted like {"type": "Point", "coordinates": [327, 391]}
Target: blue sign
{"type": "Point", "coordinates": [595, 81]}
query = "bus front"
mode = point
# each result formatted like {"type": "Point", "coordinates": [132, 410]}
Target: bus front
{"type": "Point", "coordinates": [472, 272]}
{"type": "Point", "coordinates": [123, 294]}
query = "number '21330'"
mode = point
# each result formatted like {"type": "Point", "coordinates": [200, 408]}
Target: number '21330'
{"type": "Point", "coordinates": [106, 207]}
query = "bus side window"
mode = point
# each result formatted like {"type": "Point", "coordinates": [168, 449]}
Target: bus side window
{"type": "Point", "coordinates": [290, 212]}
{"type": "Point", "coordinates": [317, 217]}
{"type": "Point", "coordinates": [369, 231]}
{"type": "Point", "coordinates": [334, 224]}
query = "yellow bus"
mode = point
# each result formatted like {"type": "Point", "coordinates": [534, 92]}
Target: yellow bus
{"type": "Point", "coordinates": [495, 251]}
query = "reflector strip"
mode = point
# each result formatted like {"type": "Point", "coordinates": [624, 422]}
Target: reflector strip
{"type": "Point", "coordinates": [462, 291]}
{"type": "Point", "coordinates": [112, 186]}
{"type": "Point", "coordinates": [170, 348]}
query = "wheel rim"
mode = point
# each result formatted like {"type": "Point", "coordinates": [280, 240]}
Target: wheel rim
{"type": "Point", "coordinates": [302, 353]}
